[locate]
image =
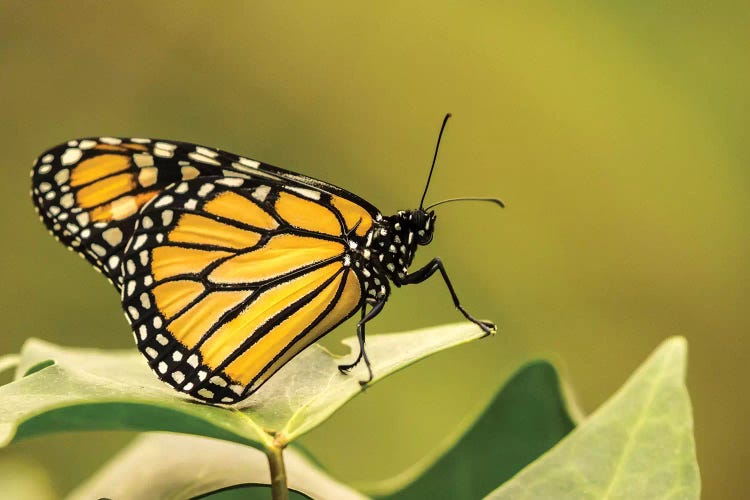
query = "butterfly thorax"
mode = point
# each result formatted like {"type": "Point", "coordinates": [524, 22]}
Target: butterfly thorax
{"type": "Point", "coordinates": [387, 250]}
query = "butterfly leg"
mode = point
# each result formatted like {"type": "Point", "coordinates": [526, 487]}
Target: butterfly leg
{"type": "Point", "coordinates": [376, 308]}
{"type": "Point", "coordinates": [428, 270]}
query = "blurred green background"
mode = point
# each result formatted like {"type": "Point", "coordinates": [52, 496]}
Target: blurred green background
{"type": "Point", "coordinates": [616, 132]}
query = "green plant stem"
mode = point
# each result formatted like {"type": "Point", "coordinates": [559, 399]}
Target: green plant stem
{"type": "Point", "coordinates": [279, 490]}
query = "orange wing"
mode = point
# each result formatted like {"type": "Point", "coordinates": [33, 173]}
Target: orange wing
{"type": "Point", "coordinates": [226, 280]}
{"type": "Point", "coordinates": [88, 192]}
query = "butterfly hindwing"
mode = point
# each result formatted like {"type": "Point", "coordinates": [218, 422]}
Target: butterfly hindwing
{"type": "Point", "coordinates": [226, 279]}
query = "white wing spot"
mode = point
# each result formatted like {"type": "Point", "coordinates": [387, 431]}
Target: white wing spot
{"type": "Point", "coordinates": [162, 153]}
{"type": "Point", "coordinates": [166, 217]}
{"type": "Point", "coordinates": [165, 200]}
{"type": "Point", "coordinates": [114, 262]}
{"type": "Point", "coordinates": [307, 193]}
{"type": "Point", "coordinates": [143, 160]}
{"type": "Point", "coordinates": [110, 140]}
{"type": "Point", "coordinates": [83, 218]}
{"type": "Point", "coordinates": [165, 145]}
{"type": "Point", "coordinates": [133, 312]}
{"type": "Point", "coordinates": [98, 250]}
{"type": "Point", "coordinates": [62, 176]}
{"type": "Point", "coordinates": [232, 173]}
{"type": "Point", "coordinates": [206, 152]}
{"type": "Point", "coordinates": [71, 156]}
{"type": "Point", "coordinates": [250, 163]}
{"type": "Point", "coordinates": [140, 241]}
{"type": "Point", "coordinates": [231, 182]}
{"type": "Point", "coordinates": [113, 236]}
{"type": "Point", "coordinates": [189, 173]}
{"type": "Point", "coordinates": [205, 189]}
{"type": "Point", "coordinates": [261, 192]}
{"type": "Point", "coordinates": [67, 200]}
{"type": "Point", "coordinates": [203, 159]}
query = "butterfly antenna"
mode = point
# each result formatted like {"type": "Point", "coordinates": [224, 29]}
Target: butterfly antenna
{"type": "Point", "coordinates": [496, 201]}
{"type": "Point", "coordinates": [437, 147]}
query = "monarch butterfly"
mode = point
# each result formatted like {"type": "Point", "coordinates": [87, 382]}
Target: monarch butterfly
{"type": "Point", "coordinates": [227, 267]}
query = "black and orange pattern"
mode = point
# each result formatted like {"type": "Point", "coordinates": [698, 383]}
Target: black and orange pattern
{"type": "Point", "coordinates": [225, 282]}
{"type": "Point", "coordinates": [227, 267]}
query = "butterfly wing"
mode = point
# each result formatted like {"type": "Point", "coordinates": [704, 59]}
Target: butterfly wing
{"type": "Point", "coordinates": [227, 279]}
{"type": "Point", "coordinates": [89, 192]}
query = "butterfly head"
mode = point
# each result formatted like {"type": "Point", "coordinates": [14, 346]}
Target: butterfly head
{"type": "Point", "coordinates": [421, 224]}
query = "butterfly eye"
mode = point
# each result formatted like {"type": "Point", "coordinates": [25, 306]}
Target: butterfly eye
{"type": "Point", "coordinates": [425, 238]}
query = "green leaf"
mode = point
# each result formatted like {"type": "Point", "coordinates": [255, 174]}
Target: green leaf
{"type": "Point", "coordinates": [639, 444]}
{"type": "Point", "coordinates": [525, 419]}
{"type": "Point", "coordinates": [178, 466]}
{"type": "Point", "coordinates": [89, 389]}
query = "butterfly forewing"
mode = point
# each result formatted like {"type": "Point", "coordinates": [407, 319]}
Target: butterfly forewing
{"type": "Point", "coordinates": [226, 279]}
{"type": "Point", "coordinates": [89, 192]}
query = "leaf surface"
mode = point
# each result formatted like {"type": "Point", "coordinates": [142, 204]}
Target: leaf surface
{"type": "Point", "coordinates": [177, 466]}
{"type": "Point", "coordinates": [89, 389]}
{"type": "Point", "coordinates": [525, 419]}
{"type": "Point", "coordinates": [639, 444]}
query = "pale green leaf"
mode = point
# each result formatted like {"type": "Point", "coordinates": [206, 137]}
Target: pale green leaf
{"type": "Point", "coordinates": [177, 466]}
{"type": "Point", "coordinates": [639, 444]}
{"type": "Point", "coordinates": [89, 389]}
